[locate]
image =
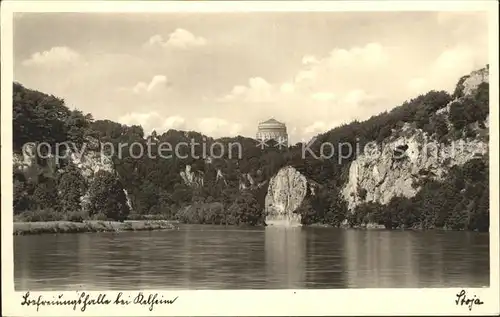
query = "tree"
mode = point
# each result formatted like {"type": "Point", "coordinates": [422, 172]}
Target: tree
{"type": "Point", "coordinates": [247, 210]}
{"type": "Point", "coordinates": [458, 115]}
{"type": "Point", "coordinates": [307, 212]}
{"type": "Point", "coordinates": [359, 214]}
{"type": "Point", "coordinates": [480, 218]}
{"type": "Point", "coordinates": [71, 187]}
{"type": "Point", "coordinates": [459, 217]}
{"type": "Point", "coordinates": [107, 197]}
{"type": "Point", "coordinates": [37, 117]}
{"type": "Point", "coordinates": [337, 211]}
{"type": "Point", "coordinates": [440, 126]}
{"type": "Point", "coordinates": [422, 117]}
{"type": "Point", "coordinates": [77, 125]}
{"type": "Point", "coordinates": [45, 195]}
{"type": "Point", "coordinates": [22, 199]}
{"type": "Point", "coordinates": [459, 89]}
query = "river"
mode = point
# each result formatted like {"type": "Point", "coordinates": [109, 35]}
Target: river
{"type": "Point", "coordinates": [218, 257]}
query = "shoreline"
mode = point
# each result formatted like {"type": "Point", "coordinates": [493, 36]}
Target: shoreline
{"type": "Point", "coordinates": [94, 226]}
{"type": "Point", "coordinates": [42, 227]}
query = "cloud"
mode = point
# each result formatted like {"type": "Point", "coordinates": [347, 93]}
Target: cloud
{"type": "Point", "coordinates": [305, 76]}
{"type": "Point", "coordinates": [150, 121]}
{"type": "Point", "coordinates": [370, 54]}
{"type": "Point", "coordinates": [353, 83]}
{"type": "Point", "coordinates": [287, 88]}
{"type": "Point", "coordinates": [355, 96]}
{"type": "Point", "coordinates": [315, 128]}
{"type": "Point", "coordinates": [174, 122]}
{"type": "Point", "coordinates": [329, 76]}
{"type": "Point", "coordinates": [330, 73]}
{"type": "Point", "coordinates": [156, 39]}
{"type": "Point", "coordinates": [156, 81]}
{"type": "Point", "coordinates": [447, 68]}
{"type": "Point", "coordinates": [416, 85]}
{"type": "Point", "coordinates": [454, 57]}
{"type": "Point", "coordinates": [309, 60]}
{"type": "Point", "coordinates": [56, 56]}
{"type": "Point", "coordinates": [323, 96]}
{"type": "Point", "coordinates": [180, 38]}
{"type": "Point", "coordinates": [153, 120]}
{"type": "Point", "coordinates": [343, 85]}
{"type": "Point", "coordinates": [217, 127]}
{"type": "Point", "coordinates": [257, 90]}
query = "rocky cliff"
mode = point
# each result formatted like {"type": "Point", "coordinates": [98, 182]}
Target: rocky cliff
{"type": "Point", "coordinates": [32, 167]}
{"type": "Point", "coordinates": [469, 83]}
{"type": "Point", "coordinates": [403, 163]}
{"type": "Point", "coordinates": [191, 178]}
{"type": "Point", "coordinates": [286, 191]}
{"type": "Point", "coordinates": [88, 163]}
{"type": "Point", "coordinates": [410, 156]}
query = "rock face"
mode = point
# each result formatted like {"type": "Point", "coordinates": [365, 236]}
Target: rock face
{"type": "Point", "coordinates": [409, 157]}
{"type": "Point", "coordinates": [286, 191]}
{"type": "Point", "coordinates": [32, 168]}
{"type": "Point", "coordinates": [29, 166]}
{"type": "Point", "coordinates": [89, 163]}
{"type": "Point", "coordinates": [220, 177]}
{"type": "Point", "coordinates": [246, 181]}
{"type": "Point", "coordinates": [473, 80]}
{"type": "Point", "coordinates": [469, 85]}
{"type": "Point", "coordinates": [380, 175]}
{"type": "Point", "coordinates": [191, 179]}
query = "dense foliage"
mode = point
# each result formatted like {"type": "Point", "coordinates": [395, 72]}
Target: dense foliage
{"type": "Point", "coordinates": [107, 199]}
{"type": "Point", "coordinates": [236, 194]}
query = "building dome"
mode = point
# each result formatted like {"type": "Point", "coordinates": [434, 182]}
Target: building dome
{"type": "Point", "coordinates": [272, 125]}
{"type": "Point", "coordinates": [272, 130]}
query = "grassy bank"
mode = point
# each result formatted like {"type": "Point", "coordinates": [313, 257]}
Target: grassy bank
{"type": "Point", "coordinates": [25, 228]}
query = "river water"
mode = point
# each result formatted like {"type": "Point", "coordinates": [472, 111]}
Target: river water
{"type": "Point", "coordinates": [218, 257]}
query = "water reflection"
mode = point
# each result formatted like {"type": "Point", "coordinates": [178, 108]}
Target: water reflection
{"type": "Point", "coordinates": [217, 257]}
{"type": "Point", "coordinates": [380, 259]}
{"type": "Point", "coordinates": [388, 259]}
{"type": "Point", "coordinates": [285, 257]}
{"type": "Point", "coordinates": [325, 264]}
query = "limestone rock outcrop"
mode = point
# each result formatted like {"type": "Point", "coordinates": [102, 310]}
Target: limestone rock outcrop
{"type": "Point", "coordinates": [220, 177]}
{"type": "Point", "coordinates": [473, 80]}
{"type": "Point", "coordinates": [192, 179]}
{"type": "Point", "coordinates": [32, 167]}
{"type": "Point", "coordinates": [246, 181]}
{"type": "Point", "coordinates": [410, 156]}
{"type": "Point", "coordinates": [286, 191]}
{"type": "Point", "coordinates": [380, 175]}
{"type": "Point", "coordinates": [89, 162]}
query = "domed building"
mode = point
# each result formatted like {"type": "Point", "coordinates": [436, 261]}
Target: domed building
{"type": "Point", "coordinates": [272, 130]}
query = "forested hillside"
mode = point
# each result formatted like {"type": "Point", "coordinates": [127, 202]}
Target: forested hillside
{"type": "Point", "coordinates": [231, 190]}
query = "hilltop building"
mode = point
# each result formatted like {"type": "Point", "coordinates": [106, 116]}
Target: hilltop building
{"type": "Point", "coordinates": [272, 130]}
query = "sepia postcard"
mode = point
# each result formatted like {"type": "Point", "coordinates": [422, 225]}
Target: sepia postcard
{"type": "Point", "coordinates": [234, 158]}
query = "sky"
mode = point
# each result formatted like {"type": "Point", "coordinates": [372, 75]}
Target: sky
{"type": "Point", "coordinates": [222, 73]}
